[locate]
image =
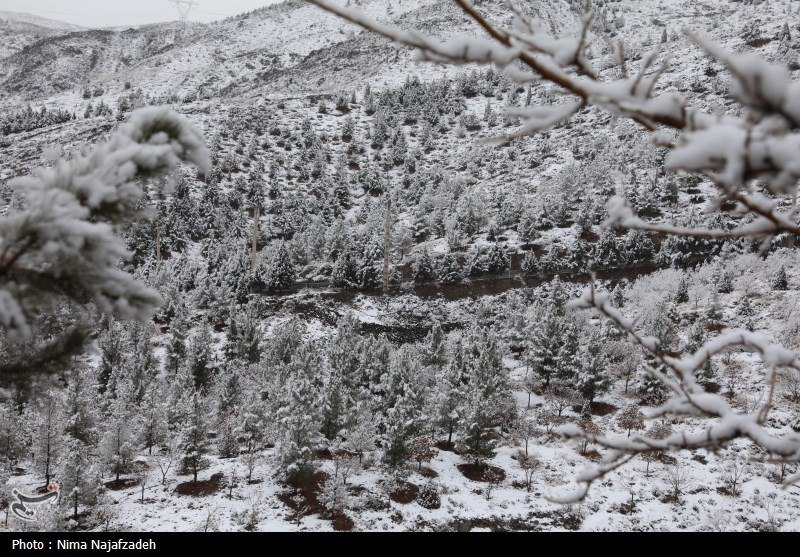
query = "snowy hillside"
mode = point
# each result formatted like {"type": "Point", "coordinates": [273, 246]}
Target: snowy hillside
{"type": "Point", "coordinates": [18, 30]}
{"type": "Point", "coordinates": [280, 387]}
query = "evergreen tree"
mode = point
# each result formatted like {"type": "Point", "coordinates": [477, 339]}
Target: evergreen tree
{"type": "Point", "coordinates": [80, 407]}
{"type": "Point", "coordinates": [723, 281]}
{"type": "Point", "coordinates": [496, 260]}
{"type": "Point", "coordinates": [682, 293]}
{"type": "Point", "coordinates": [199, 357]}
{"type": "Point", "coordinates": [78, 474]}
{"type": "Point", "coordinates": [176, 346]}
{"type": "Point", "coordinates": [448, 269]}
{"type": "Point", "coordinates": [449, 397]}
{"type": "Point", "coordinates": [46, 433]}
{"type": "Point", "coordinates": [779, 280]}
{"type": "Point", "coordinates": [402, 406]}
{"type": "Point", "coordinates": [298, 425]}
{"type": "Point", "coordinates": [531, 263]}
{"type": "Point", "coordinates": [152, 415]}
{"type": "Point", "coordinates": [618, 295]}
{"type": "Point", "coordinates": [477, 441]}
{"type": "Point", "coordinates": [423, 267]}
{"type": "Point", "coordinates": [118, 438]}
{"type": "Point", "coordinates": [194, 443]}
{"type": "Point", "coordinates": [593, 378]}
{"type": "Point", "coordinates": [282, 273]}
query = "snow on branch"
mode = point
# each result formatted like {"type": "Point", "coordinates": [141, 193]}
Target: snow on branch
{"type": "Point", "coordinates": [690, 398]}
{"type": "Point", "coordinates": [62, 241]}
{"type": "Point", "coordinates": [760, 145]}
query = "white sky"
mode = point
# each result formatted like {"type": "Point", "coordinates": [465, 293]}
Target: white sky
{"type": "Point", "coordinates": [113, 13]}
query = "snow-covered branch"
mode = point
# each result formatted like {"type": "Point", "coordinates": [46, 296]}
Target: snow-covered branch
{"type": "Point", "coordinates": [762, 144]}
{"type": "Point", "coordinates": [62, 241]}
{"type": "Point", "coordinates": [690, 398]}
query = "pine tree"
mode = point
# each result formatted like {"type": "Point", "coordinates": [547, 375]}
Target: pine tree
{"type": "Point", "coordinates": [477, 441]}
{"type": "Point", "coordinates": [194, 443]}
{"type": "Point", "coordinates": [618, 295]}
{"type": "Point", "coordinates": [80, 407]}
{"type": "Point", "coordinates": [402, 405]}
{"type": "Point", "coordinates": [243, 341]}
{"type": "Point", "coordinates": [298, 425]}
{"type": "Point", "coordinates": [78, 474]}
{"type": "Point", "coordinates": [723, 281]}
{"type": "Point", "coordinates": [449, 270]}
{"type": "Point", "coordinates": [423, 267]}
{"type": "Point", "coordinates": [531, 263]}
{"type": "Point", "coordinates": [496, 260]}
{"type": "Point", "coordinates": [282, 273]}
{"type": "Point", "coordinates": [47, 423]}
{"type": "Point", "coordinates": [682, 293]}
{"type": "Point", "coordinates": [334, 406]}
{"type": "Point", "coordinates": [714, 311]}
{"type": "Point", "coordinates": [111, 353]}
{"type": "Point", "coordinates": [227, 441]}
{"type": "Point", "coordinates": [344, 273]}
{"type": "Point", "coordinates": [544, 345]}
{"type": "Point", "coordinates": [117, 446]}
{"type": "Point", "coordinates": [152, 415]}
{"type": "Point", "coordinates": [176, 347]}
{"type": "Point", "coordinates": [779, 280]}
{"type": "Point", "coordinates": [12, 439]}
{"type": "Point", "coordinates": [593, 378]}
{"type": "Point", "coordinates": [435, 347]}
{"type": "Point", "coordinates": [608, 253]}
{"type": "Point", "coordinates": [449, 397]}
{"type": "Point", "coordinates": [199, 357]}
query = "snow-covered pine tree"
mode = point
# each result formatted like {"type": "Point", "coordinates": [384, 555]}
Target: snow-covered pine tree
{"type": "Point", "coordinates": [79, 474]}
{"type": "Point", "coordinates": [779, 280]}
{"type": "Point", "coordinates": [448, 269]}
{"type": "Point", "coordinates": [449, 396]}
{"type": "Point", "coordinates": [298, 421]}
{"type": "Point", "coordinates": [194, 444]}
{"type": "Point", "coordinates": [282, 272]}
{"type": "Point", "coordinates": [119, 436]}
{"type": "Point", "coordinates": [423, 266]}
{"type": "Point", "coordinates": [682, 292]}
{"type": "Point", "coordinates": [46, 419]}
{"type": "Point", "coordinates": [592, 378]}
{"type": "Point", "coordinates": [199, 356]}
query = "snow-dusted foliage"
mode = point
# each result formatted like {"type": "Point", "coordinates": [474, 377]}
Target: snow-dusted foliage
{"type": "Point", "coordinates": [762, 145]}
{"type": "Point", "coordinates": [61, 242]}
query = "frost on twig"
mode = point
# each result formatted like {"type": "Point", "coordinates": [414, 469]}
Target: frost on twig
{"type": "Point", "coordinates": [62, 242]}
{"type": "Point", "coordinates": [691, 399]}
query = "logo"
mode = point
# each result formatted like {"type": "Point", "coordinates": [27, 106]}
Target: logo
{"type": "Point", "coordinates": [25, 507]}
